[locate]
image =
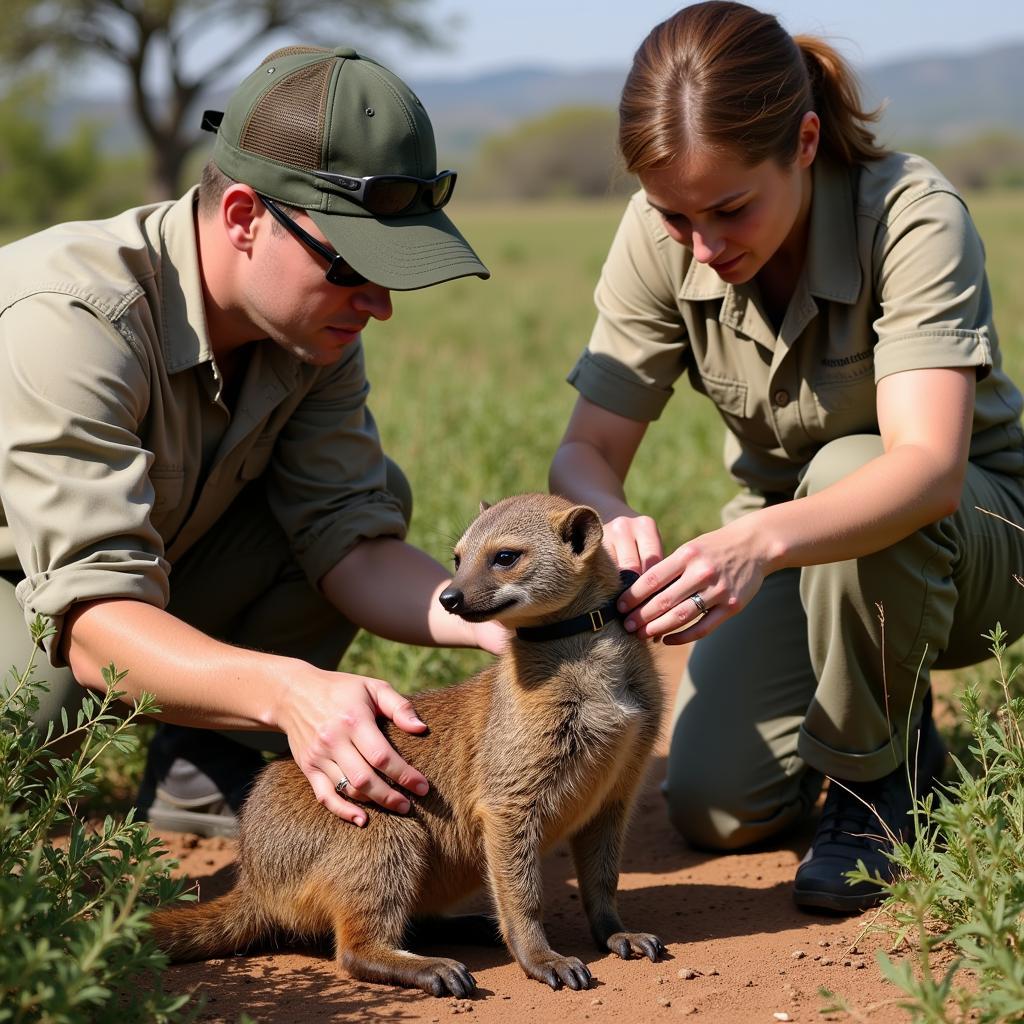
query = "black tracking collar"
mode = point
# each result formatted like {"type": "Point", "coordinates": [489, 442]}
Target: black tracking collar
{"type": "Point", "coordinates": [588, 622]}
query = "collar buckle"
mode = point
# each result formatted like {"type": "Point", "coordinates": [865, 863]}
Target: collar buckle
{"type": "Point", "coordinates": [596, 620]}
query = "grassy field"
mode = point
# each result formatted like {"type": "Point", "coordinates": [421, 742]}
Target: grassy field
{"type": "Point", "coordinates": [470, 396]}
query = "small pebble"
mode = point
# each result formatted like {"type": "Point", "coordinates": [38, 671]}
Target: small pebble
{"type": "Point", "coordinates": [799, 954]}
{"type": "Point", "coordinates": [713, 972]}
{"type": "Point", "coordinates": [664, 1002]}
{"type": "Point", "coordinates": [824, 944]}
{"type": "Point", "coordinates": [782, 1016]}
{"type": "Point", "coordinates": [688, 974]}
{"type": "Point", "coordinates": [600, 1002]}
{"type": "Point", "coordinates": [827, 961]}
{"type": "Point", "coordinates": [860, 965]}
{"type": "Point", "coordinates": [847, 963]}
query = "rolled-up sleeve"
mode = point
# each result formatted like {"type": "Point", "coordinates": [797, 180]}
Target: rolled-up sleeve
{"type": "Point", "coordinates": [327, 482]}
{"type": "Point", "coordinates": [931, 287]}
{"type": "Point", "coordinates": [638, 346]}
{"type": "Point", "coordinates": [73, 471]}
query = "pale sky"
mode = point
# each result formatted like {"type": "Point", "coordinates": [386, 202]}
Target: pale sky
{"type": "Point", "coordinates": [492, 35]}
{"type": "Point", "coordinates": [606, 33]}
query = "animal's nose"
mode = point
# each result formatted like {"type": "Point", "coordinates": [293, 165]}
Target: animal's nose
{"type": "Point", "coordinates": [451, 599]}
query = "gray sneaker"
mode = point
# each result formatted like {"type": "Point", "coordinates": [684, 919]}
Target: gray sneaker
{"type": "Point", "coordinates": [196, 781]}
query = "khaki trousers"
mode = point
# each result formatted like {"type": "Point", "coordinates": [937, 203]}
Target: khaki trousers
{"type": "Point", "coordinates": [792, 687]}
{"type": "Point", "coordinates": [239, 584]}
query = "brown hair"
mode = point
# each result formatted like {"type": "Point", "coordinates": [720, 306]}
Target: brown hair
{"type": "Point", "coordinates": [212, 185]}
{"type": "Point", "coordinates": [725, 76]}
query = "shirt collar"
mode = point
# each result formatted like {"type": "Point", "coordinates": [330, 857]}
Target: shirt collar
{"type": "Point", "coordinates": [186, 341]}
{"type": "Point", "coordinates": [833, 264]}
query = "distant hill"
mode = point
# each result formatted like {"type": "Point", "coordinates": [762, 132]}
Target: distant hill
{"type": "Point", "coordinates": [466, 110]}
{"type": "Point", "coordinates": [946, 98]}
{"type": "Point", "coordinates": [936, 99]}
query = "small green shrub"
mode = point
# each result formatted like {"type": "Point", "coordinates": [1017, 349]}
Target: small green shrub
{"type": "Point", "coordinates": [74, 942]}
{"type": "Point", "coordinates": [958, 894]}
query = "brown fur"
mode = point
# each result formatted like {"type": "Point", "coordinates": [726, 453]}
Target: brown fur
{"type": "Point", "coordinates": [547, 743]}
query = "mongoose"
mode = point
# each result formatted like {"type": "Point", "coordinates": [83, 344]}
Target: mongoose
{"type": "Point", "coordinates": [548, 742]}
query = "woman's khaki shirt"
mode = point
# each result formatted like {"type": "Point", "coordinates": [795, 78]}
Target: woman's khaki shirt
{"type": "Point", "coordinates": [894, 280]}
{"type": "Point", "coordinates": [117, 452]}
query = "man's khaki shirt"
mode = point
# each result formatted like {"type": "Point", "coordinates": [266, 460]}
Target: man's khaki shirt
{"type": "Point", "coordinates": [117, 452]}
{"type": "Point", "coordinates": [894, 280]}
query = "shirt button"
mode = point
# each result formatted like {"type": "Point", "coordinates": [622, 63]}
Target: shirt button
{"type": "Point", "coordinates": [781, 398]}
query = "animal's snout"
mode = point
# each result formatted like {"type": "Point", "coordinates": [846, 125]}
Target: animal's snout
{"type": "Point", "coordinates": [451, 599]}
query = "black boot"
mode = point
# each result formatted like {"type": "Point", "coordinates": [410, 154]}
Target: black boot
{"type": "Point", "coordinates": [196, 780]}
{"type": "Point", "coordinates": [850, 831]}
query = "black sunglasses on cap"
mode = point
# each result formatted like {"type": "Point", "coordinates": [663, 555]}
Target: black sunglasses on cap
{"type": "Point", "coordinates": [339, 272]}
{"type": "Point", "coordinates": [383, 195]}
{"type": "Point", "coordinates": [388, 195]}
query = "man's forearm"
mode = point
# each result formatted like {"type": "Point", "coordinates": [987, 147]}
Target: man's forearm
{"type": "Point", "coordinates": [391, 588]}
{"type": "Point", "coordinates": [196, 680]}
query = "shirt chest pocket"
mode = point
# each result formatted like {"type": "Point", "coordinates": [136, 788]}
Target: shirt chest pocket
{"type": "Point", "coordinates": [845, 402]}
{"type": "Point", "coordinates": [257, 459]}
{"type": "Point", "coordinates": [168, 485]}
{"type": "Point", "coordinates": [729, 396]}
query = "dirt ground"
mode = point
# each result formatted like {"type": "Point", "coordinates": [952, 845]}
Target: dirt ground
{"type": "Point", "coordinates": [738, 948]}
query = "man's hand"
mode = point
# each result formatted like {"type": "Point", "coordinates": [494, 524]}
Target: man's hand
{"type": "Point", "coordinates": [330, 721]}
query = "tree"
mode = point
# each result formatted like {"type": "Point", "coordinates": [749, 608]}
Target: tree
{"type": "Point", "coordinates": [41, 180]}
{"type": "Point", "coordinates": [155, 41]}
{"type": "Point", "coordinates": [569, 152]}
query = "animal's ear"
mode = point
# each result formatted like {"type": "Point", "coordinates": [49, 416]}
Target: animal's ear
{"type": "Point", "coordinates": [581, 529]}
{"type": "Point", "coordinates": [484, 506]}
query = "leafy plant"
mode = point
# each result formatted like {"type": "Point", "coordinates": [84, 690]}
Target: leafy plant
{"type": "Point", "coordinates": [958, 894]}
{"type": "Point", "coordinates": [74, 942]}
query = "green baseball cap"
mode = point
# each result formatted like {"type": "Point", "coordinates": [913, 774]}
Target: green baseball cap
{"type": "Point", "coordinates": [335, 133]}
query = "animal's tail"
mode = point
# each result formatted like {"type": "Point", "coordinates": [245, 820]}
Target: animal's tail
{"type": "Point", "coordinates": [200, 931]}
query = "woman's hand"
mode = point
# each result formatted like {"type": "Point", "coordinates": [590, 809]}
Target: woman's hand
{"type": "Point", "coordinates": [330, 720]}
{"type": "Point", "coordinates": [633, 541]}
{"type": "Point", "coordinates": [724, 568]}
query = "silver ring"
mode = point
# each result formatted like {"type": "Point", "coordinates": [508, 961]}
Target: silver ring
{"type": "Point", "coordinates": [699, 602]}
{"type": "Point", "coordinates": [340, 787]}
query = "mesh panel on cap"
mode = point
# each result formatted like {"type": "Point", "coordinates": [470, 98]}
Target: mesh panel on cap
{"type": "Point", "coordinates": [287, 51]}
{"type": "Point", "coordinates": [287, 123]}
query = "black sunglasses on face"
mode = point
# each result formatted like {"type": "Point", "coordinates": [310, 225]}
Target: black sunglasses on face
{"type": "Point", "coordinates": [388, 195]}
{"type": "Point", "coordinates": [339, 272]}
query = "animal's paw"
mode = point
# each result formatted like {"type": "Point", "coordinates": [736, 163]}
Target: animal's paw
{"type": "Point", "coordinates": [556, 971]}
{"type": "Point", "coordinates": [442, 977]}
{"type": "Point", "coordinates": [630, 944]}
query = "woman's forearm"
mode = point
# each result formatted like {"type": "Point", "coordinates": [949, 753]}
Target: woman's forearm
{"type": "Point", "coordinates": [581, 473]}
{"type": "Point", "coordinates": [879, 504]}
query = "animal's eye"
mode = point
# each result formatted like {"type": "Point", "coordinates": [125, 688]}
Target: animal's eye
{"type": "Point", "coordinates": [457, 561]}
{"type": "Point", "coordinates": [506, 559]}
